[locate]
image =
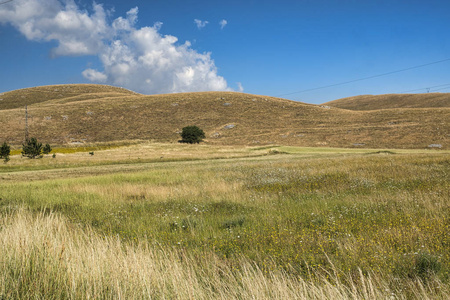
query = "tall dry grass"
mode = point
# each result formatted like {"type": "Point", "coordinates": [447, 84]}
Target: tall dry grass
{"type": "Point", "coordinates": [312, 224]}
{"type": "Point", "coordinates": [43, 256]}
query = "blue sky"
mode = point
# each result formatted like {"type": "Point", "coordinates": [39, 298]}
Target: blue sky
{"type": "Point", "coordinates": [273, 48]}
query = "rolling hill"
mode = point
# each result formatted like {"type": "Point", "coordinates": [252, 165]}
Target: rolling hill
{"type": "Point", "coordinates": [374, 102]}
{"type": "Point", "coordinates": [73, 114]}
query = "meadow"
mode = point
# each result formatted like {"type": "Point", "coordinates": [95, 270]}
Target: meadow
{"type": "Point", "coordinates": [168, 221]}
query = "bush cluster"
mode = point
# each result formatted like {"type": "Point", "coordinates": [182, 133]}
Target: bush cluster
{"type": "Point", "coordinates": [32, 148]}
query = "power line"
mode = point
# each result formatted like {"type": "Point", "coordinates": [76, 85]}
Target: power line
{"type": "Point", "coordinates": [427, 88]}
{"type": "Point", "coordinates": [442, 89]}
{"type": "Point", "coordinates": [4, 2]}
{"type": "Point", "coordinates": [365, 78]}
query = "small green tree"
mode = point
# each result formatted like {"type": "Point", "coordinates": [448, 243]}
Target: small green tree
{"type": "Point", "coordinates": [32, 148]}
{"type": "Point", "coordinates": [5, 151]}
{"type": "Point", "coordinates": [192, 135]}
{"type": "Point", "coordinates": [47, 149]}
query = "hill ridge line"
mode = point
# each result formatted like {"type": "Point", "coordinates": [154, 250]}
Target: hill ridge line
{"type": "Point", "coordinates": [96, 113]}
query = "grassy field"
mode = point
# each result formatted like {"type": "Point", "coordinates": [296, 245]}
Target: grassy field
{"type": "Point", "coordinates": [169, 221]}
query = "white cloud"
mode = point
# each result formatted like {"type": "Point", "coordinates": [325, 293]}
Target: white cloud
{"type": "Point", "coordinates": [94, 75]}
{"type": "Point", "coordinates": [76, 32]}
{"type": "Point", "coordinates": [144, 60]}
{"type": "Point", "coordinates": [140, 59]}
{"type": "Point", "coordinates": [240, 87]}
{"type": "Point", "coordinates": [223, 23]}
{"type": "Point", "coordinates": [200, 24]}
{"type": "Point", "coordinates": [128, 23]}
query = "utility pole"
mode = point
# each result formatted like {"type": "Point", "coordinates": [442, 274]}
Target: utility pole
{"type": "Point", "coordinates": [26, 123]}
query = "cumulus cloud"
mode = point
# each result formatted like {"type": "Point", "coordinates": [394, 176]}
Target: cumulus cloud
{"type": "Point", "coordinates": [140, 59]}
{"type": "Point", "coordinates": [144, 59]}
{"type": "Point", "coordinates": [223, 23]}
{"type": "Point", "coordinates": [94, 75]}
{"type": "Point", "coordinates": [77, 32]}
{"type": "Point", "coordinates": [200, 24]}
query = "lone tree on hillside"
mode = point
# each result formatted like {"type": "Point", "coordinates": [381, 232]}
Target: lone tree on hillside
{"type": "Point", "coordinates": [32, 148]}
{"type": "Point", "coordinates": [192, 135]}
{"type": "Point", "coordinates": [5, 151]}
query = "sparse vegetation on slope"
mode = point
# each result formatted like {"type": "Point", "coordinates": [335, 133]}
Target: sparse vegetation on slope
{"type": "Point", "coordinates": [227, 118]}
{"type": "Point", "coordinates": [58, 93]}
{"type": "Point", "coordinates": [388, 101]}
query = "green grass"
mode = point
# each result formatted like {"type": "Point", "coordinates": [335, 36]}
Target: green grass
{"type": "Point", "coordinates": [129, 154]}
{"type": "Point", "coordinates": [309, 214]}
{"type": "Point", "coordinates": [83, 148]}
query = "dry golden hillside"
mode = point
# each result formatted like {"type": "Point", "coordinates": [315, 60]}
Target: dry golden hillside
{"type": "Point", "coordinates": [68, 114]}
{"type": "Point", "coordinates": [373, 102]}
{"type": "Point", "coordinates": [35, 95]}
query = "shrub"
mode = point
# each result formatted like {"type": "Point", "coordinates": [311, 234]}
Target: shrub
{"type": "Point", "coordinates": [32, 148]}
{"type": "Point", "coordinates": [47, 149]}
{"type": "Point", "coordinates": [5, 151]}
{"type": "Point", "coordinates": [425, 265]}
{"type": "Point", "coordinates": [233, 223]}
{"type": "Point", "coordinates": [192, 135]}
